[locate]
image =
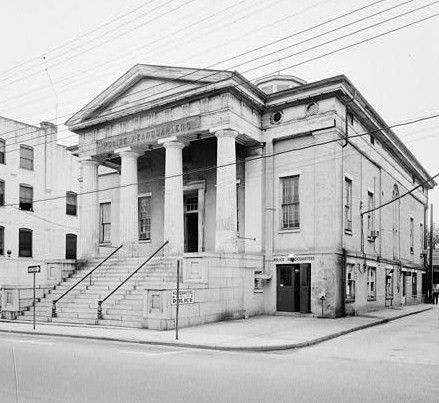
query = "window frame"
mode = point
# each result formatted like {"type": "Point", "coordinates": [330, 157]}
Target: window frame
{"type": "Point", "coordinates": [2, 192]}
{"type": "Point", "coordinates": [20, 248]}
{"type": "Point", "coordinates": [347, 200]}
{"type": "Point", "coordinates": [370, 215]}
{"type": "Point", "coordinates": [371, 279]}
{"type": "Point", "coordinates": [350, 283]}
{"type": "Point", "coordinates": [102, 225]}
{"type": "Point", "coordinates": [22, 158]}
{"type": "Point", "coordinates": [414, 284]}
{"type": "Point", "coordinates": [412, 235]}
{"type": "Point", "coordinates": [139, 219]}
{"type": "Point", "coordinates": [2, 151]}
{"type": "Point", "coordinates": [2, 240]}
{"type": "Point", "coordinates": [20, 203]}
{"type": "Point", "coordinates": [294, 203]}
{"type": "Point", "coordinates": [72, 207]}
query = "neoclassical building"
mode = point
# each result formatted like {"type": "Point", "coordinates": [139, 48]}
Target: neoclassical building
{"type": "Point", "coordinates": [258, 188]}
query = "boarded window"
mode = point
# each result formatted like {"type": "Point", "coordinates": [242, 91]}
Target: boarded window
{"type": "Point", "coordinates": [25, 242]}
{"type": "Point", "coordinates": [105, 223]}
{"type": "Point", "coordinates": [71, 203]}
{"type": "Point", "coordinates": [26, 157]}
{"type": "Point", "coordinates": [26, 197]}
{"type": "Point", "coordinates": [71, 242]}
{"type": "Point", "coordinates": [290, 202]}
{"type": "Point", "coordinates": [145, 218]}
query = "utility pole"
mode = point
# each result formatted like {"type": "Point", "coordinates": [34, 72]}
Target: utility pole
{"type": "Point", "coordinates": [430, 286]}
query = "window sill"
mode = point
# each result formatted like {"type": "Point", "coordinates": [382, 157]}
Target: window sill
{"type": "Point", "coordinates": [145, 241]}
{"type": "Point", "coordinates": [371, 299]}
{"type": "Point", "coordinates": [371, 239]}
{"type": "Point", "coordinates": [348, 231]}
{"type": "Point", "coordinates": [349, 300]}
{"type": "Point", "coordinates": [257, 291]}
{"type": "Point", "coordinates": [288, 231]}
{"type": "Point", "coordinates": [27, 169]}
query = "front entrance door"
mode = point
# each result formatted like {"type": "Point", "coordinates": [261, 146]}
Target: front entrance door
{"type": "Point", "coordinates": [191, 222]}
{"type": "Point", "coordinates": [294, 288]}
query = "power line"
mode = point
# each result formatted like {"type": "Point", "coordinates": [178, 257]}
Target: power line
{"type": "Point", "coordinates": [212, 167]}
{"type": "Point", "coordinates": [214, 72]}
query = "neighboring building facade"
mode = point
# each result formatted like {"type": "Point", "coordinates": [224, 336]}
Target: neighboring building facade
{"type": "Point", "coordinates": [38, 203]}
{"type": "Point", "coordinates": [203, 159]}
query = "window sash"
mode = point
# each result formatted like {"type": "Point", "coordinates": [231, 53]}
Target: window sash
{"type": "Point", "coordinates": [26, 157]}
{"type": "Point", "coordinates": [105, 223]}
{"type": "Point", "coordinates": [144, 206]}
{"type": "Point", "coordinates": [2, 193]}
{"type": "Point", "coordinates": [26, 197]}
{"type": "Point", "coordinates": [71, 203]}
{"type": "Point", "coordinates": [290, 204]}
{"type": "Point", "coordinates": [350, 283]}
{"type": "Point", "coordinates": [2, 151]}
{"type": "Point", "coordinates": [25, 243]}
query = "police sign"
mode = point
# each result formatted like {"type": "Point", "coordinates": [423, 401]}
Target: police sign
{"type": "Point", "coordinates": [33, 269]}
{"type": "Point", "coordinates": [185, 297]}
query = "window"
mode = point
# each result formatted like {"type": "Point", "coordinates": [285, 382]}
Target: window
{"type": "Point", "coordinates": [105, 223]}
{"type": "Point", "coordinates": [404, 283]}
{"type": "Point", "coordinates": [145, 218]}
{"type": "Point", "coordinates": [237, 208]}
{"type": "Point", "coordinates": [348, 204]}
{"type": "Point", "coordinates": [71, 203]}
{"type": "Point", "coordinates": [26, 197]}
{"type": "Point", "coordinates": [290, 202]}
{"type": "Point", "coordinates": [370, 216]}
{"type": "Point", "coordinates": [389, 283]}
{"type": "Point", "coordinates": [2, 240]}
{"type": "Point", "coordinates": [350, 283]}
{"type": "Point", "coordinates": [421, 237]}
{"type": "Point", "coordinates": [371, 280]}
{"type": "Point", "coordinates": [414, 284]}
{"type": "Point", "coordinates": [71, 240]}
{"type": "Point", "coordinates": [26, 157]}
{"type": "Point", "coordinates": [2, 151]}
{"type": "Point", "coordinates": [412, 235]}
{"type": "Point", "coordinates": [372, 140]}
{"type": "Point", "coordinates": [350, 117]}
{"type": "Point", "coordinates": [2, 193]}
{"type": "Point", "coordinates": [24, 242]}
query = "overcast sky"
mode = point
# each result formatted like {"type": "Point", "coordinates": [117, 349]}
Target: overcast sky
{"type": "Point", "coordinates": [397, 73]}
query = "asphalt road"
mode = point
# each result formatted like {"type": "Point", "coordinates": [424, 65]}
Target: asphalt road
{"type": "Point", "coordinates": [397, 362]}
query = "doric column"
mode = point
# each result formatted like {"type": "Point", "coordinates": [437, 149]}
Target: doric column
{"type": "Point", "coordinates": [226, 218]}
{"type": "Point", "coordinates": [89, 210]}
{"type": "Point", "coordinates": [128, 207]}
{"type": "Point", "coordinates": [173, 215]}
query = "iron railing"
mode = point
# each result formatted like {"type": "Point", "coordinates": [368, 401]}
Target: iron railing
{"type": "Point", "coordinates": [55, 301]}
{"type": "Point", "coordinates": [100, 302]}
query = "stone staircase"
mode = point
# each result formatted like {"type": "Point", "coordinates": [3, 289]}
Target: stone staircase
{"type": "Point", "coordinates": [124, 308]}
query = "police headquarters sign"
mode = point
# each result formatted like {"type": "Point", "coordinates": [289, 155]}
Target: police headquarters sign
{"type": "Point", "coordinates": [293, 259]}
{"type": "Point", "coordinates": [148, 135]}
{"type": "Point", "coordinates": [186, 297]}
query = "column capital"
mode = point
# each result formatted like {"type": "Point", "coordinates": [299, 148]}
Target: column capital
{"type": "Point", "coordinates": [127, 152]}
{"type": "Point", "coordinates": [88, 161]}
{"type": "Point", "coordinates": [223, 131]}
{"type": "Point", "coordinates": [172, 142]}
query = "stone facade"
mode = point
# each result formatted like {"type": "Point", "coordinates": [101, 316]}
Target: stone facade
{"type": "Point", "coordinates": [249, 189]}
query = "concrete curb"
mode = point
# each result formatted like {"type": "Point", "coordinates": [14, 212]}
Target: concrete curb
{"type": "Point", "coordinates": [279, 347]}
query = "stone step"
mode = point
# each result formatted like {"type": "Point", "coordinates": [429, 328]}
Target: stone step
{"type": "Point", "coordinates": [119, 323]}
{"type": "Point", "coordinates": [122, 317]}
{"type": "Point", "coordinates": [79, 321]}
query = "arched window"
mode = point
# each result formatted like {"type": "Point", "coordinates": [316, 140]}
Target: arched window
{"type": "Point", "coordinates": [25, 242]}
{"type": "Point", "coordinates": [71, 241]}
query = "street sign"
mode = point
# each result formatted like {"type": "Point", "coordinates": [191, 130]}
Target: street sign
{"type": "Point", "coordinates": [33, 269]}
{"type": "Point", "coordinates": [185, 297]}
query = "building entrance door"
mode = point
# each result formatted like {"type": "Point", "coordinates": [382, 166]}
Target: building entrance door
{"type": "Point", "coordinates": [191, 222]}
{"type": "Point", "coordinates": [294, 288]}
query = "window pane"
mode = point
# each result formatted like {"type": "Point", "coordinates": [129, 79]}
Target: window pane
{"type": "Point", "coordinates": [25, 243]}
{"type": "Point", "coordinates": [26, 197]}
{"type": "Point", "coordinates": [2, 151]}
{"type": "Point", "coordinates": [105, 222]}
{"type": "Point", "coordinates": [26, 157]}
{"type": "Point", "coordinates": [71, 200]}
{"type": "Point", "coordinates": [2, 193]}
{"type": "Point", "coordinates": [71, 246]}
{"type": "Point", "coordinates": [290, 202]}
{"type": "Point", "coordinates": [2, 240]}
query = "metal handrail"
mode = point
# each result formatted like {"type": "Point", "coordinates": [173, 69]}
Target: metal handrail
{"type": "Point", "coordinates": [100, 302]}
{"type": "Point", "coordinates": [55, 301]}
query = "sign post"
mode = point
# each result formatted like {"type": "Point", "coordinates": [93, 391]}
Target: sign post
{"type": "Point", "coordinates": [178, 299]}
{"type": "Point", "coordinates": [34, 270]}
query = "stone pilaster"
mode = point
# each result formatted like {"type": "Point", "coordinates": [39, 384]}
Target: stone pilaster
{"type": "Point", "coordinates": [173, 214]}
{"type": "Point", "coordinates": [226, 217]}
{"type": "Point", "coordinates": [89, 210]}
{"type": "Point", "coordinates": [128, 208]}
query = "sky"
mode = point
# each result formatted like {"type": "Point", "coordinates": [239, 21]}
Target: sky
{"type": "Point", "coordinates": [56, 56]}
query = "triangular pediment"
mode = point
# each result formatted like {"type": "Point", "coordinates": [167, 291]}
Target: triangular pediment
{"type": "Point", "coordinates": [142, 87]}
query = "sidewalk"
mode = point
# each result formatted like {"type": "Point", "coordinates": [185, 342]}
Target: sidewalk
{"type": "Point", "coordinates": [262, 333]}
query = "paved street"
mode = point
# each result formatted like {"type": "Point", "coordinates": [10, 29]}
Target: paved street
{"type": "Point", "coordinates": [398, 361]}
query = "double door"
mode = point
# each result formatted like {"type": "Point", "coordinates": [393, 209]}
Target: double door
{"type": "Point", "coordinates": [294, 288]}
